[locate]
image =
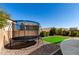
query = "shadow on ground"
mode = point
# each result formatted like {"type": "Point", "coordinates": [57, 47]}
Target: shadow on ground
{"type": "Point", "coordinates": [20, 45]}
{"type": "Point", "coordinates": [47, 49]}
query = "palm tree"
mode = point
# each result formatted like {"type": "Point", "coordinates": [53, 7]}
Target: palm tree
{"type": "Point", "coordinates": [3, 19]}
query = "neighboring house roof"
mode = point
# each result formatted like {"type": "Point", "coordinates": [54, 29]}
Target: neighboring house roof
{"type": "Point", "coordinates": [45, 29]}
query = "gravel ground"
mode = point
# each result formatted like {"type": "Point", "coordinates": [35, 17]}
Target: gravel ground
{"type": "Point", "coordinates": [37, 49]}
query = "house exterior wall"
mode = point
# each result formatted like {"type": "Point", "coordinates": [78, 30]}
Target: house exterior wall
{"type": "Point", "coordinates": [1, 40]}
{"type": "Point", "coordinates": [5, 34]}
{"type": "Point", "coordinates": [45, 29]}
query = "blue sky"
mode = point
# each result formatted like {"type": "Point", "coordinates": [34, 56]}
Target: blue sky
{"type": "Point", "coordinates": [47, 14]}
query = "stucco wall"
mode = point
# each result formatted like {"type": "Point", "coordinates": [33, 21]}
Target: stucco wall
{"type": "Point", "coordinates": [1, 39]}
{"type": "Point", "coordinates": [4, 38]}
{"type": "Point", "coordinates": [4, 34]}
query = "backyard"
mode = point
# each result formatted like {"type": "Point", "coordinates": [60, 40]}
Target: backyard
{"type": "Point", "coordinates": [54, 39]}
{"type": "Point", "coordinates": [26, 37]}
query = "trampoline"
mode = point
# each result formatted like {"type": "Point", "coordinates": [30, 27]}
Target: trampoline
{"type": "Point", "coordinates": [23, 31]}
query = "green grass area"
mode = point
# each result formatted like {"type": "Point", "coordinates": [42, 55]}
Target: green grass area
{"type": "Point", "coordinates": [54, 39]}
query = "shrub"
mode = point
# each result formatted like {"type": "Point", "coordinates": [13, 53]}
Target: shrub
{"type": "Point", "coordinates": [78, 33]}
{"type": "Point", "coordinates": [59, 31]}
{"type": "Point", "coordinates": [44, 33]}
{"type": "Point", "coordinates": [65, 33]}
{"type": "Point", "coordinates": [52, 31]}
{"type": "Point", "coordinates": [47, 34]}
{"type": "Point", "coordinates": [73, 33]}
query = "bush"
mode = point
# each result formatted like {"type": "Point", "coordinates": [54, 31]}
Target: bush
{"type": "Point", "coordinates": [52, 31]}
{"type": "Point", "coordinates": [78, 34]}
{"type": "Point", "coordinates": [65, 33]}
{"type": "Point", "coordinates": [73, 33]}
{"type": "Point", "coordinates": [47, 34]}
{"type": "Point", "coordinates": [44, 33]}
{"type": "Point", "coordinates": [59, 31]}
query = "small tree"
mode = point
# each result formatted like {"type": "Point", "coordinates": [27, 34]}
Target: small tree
{"type": "Point", "coordinates": [65, 33]}
{"type": "Point", "coordinates": [73, 33]}
{"type": "Point", "coordinates": [52, 31]}
{"type": "Point", "coordinates": [44, 33]}
{"type": "Point", "coordinates": [78, 33]}
{"type": "Point", "coordinates": [73, 29]}
{"type": "Point", "coordinates": [59, 31]}
{"type": "Point", "coordinates": [47, 33]}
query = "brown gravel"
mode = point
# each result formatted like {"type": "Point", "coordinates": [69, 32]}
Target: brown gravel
{"type": "Point", "coordinates": [37, 49]}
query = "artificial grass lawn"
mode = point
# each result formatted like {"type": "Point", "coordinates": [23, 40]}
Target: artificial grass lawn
{"type": "Point", "coordinates": [54, 39]}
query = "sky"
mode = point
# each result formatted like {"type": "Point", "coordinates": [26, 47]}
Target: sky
{"type": "Point", "coordinates": [47, 14]}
